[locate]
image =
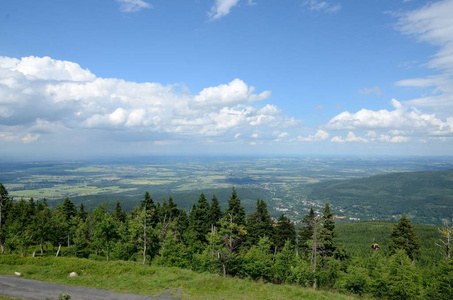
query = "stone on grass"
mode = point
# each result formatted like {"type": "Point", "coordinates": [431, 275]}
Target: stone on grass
{"type": "Point", "coordinates": [17, 273]}
{"type": "Point", "coordinates": [73, 274]}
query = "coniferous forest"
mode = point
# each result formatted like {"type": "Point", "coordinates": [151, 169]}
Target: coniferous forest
{"type": "Point", "coordinates": [230, 243]}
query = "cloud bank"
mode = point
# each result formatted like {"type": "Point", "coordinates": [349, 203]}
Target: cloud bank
{"type": "Point", "coordinates": [41, 96]}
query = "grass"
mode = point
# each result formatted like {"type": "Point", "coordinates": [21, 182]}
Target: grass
{"type": "Point", "coordinates": [130, 277]}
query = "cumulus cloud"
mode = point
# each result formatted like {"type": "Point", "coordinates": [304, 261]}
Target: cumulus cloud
{"type": "Point", "coordinates": [350, 138]}
{"type": "Point", "coordinates": [322, 6]}
{"type": "Point", "coordinates": [232, 93]}
{"type": "Point", "coordinates": [394, 139]}
{"type": "Point", "coordinates": [40, 96]}
{"type": "Point", "coordinates": [221, 8]}
{"type": "Point", "coordinates": [320, 135]}
{"type": "Point", "coordinates": [133, 5]}
{"type": "Point", "coordinates": [400, 118]}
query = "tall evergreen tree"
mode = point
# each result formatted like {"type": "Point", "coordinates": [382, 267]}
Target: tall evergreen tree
{"type": "Point", "coordinates": [81, 213]}
{"type": "Point", "coordinates": [284, 231]}
{"type": "Point", "coordinates": [235, 209]}
{"type": "Point", "coordinates": [215, 212]}
{"type": "Point", "coordinates": [199, 219]}
{"type": "Point", "coordinates": [403, 237]}
{"type": "Point", "coordinates": [259, 224]}
{"type": "Point", "coordinates": [306, 231]}
{"type": "Point", "coordinates": [327, 233]}
{"type": "Point", "coordinates": [119, 215]}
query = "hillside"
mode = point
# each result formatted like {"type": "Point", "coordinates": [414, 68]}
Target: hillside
{"type": "Point", "coordinates": [426, 197]}
{"type": "Point", "coordinates": [131, 277]}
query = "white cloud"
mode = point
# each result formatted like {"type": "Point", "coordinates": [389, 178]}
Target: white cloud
{"type": "Point", "coordinates": [320, 135]}
{"type": "Point", "coordinates": [394, 139]}
{"type": "Point", "coordinates": [133, 5]}
{"type": "Point", "coordinates": [221, 8]}
{"type": "Point", "coordinates": [350, 138]}
{"type": "Point", "coordinates": [46, 97]}
{"type": "Point", "coordinates": [401, 118]}
{"type": "Point", "coordinates": [29, 138]}
{"type": "Point", "coordinates": [432, 24]}
{"type": "Point", "coordinates": [255, 135]}
{"type": "Point", "coordinates": [229, 94]}
{"type": "Point", "coordinates": [367, 91]}
{"type": "Point", "coordinates": [371, 133]}
{"type": "Point", "coordinates": [322, 6]}
{"type": "Point", "coordinates": [283, 135]}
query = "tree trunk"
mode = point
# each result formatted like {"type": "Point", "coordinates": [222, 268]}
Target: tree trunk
{"type": "Point", "coordinates": [41, 248]}
{"type": "Point", "coordinates": [224, 269]}
{"type": "Point", "coordinates": [2, 248]}
{"type": "Point", "coordinates": [108, 252]}
{"type": "Point", "coordinates": [58, 251]}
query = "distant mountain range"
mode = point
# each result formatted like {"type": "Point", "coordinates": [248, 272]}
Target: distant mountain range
{"type": "Point", "coordinates": [425, 197]}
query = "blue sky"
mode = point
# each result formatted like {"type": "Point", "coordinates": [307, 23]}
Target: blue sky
{"type": "Point", "coordinates": [135, 77]}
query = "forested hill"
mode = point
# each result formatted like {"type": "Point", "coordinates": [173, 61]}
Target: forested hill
{"type": "Point", "coordinates": [426, 197]}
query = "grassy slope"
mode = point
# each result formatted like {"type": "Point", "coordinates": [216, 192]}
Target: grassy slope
{"type": "Point", "coordinates": [426, 197]}
{"type": "Point", "coordinates": [120, 276]}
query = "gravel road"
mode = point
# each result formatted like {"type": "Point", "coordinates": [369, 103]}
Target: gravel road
{"type": "Point", "coordinates": [32, 289]}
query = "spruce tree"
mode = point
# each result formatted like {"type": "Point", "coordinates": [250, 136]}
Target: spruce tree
{"type": "Point", "coordinates": [327, 233]}
{"type": "Point", "coordinates": [119, 215]}
{"type": "Point", "coordinates": [259, 224]}
{"type": "Point", "coordinates": [235, 210]}
{"type": "Point", "coordinates": [284, 231]}
{"type": "Point", "coordinates": [403, 237]}
{"type": "Point", "coordinates": [306, 231]}
{"type": "Point", "coordinates": [215, 212]}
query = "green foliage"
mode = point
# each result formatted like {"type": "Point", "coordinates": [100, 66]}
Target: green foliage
{"type": "Point", "coordinates": [427, 196]}
{"type": "Point", "coordinates": [259, 224]}
{"type": "Point", "coordinates": [164, 235]}
{"type": "Point", "coordinates": [284, 231]}
{"type": "Point", "coordinates": [404, 282]}
{"type": "Point", "coordinates": [285, 263]}
{"type": "Point", "coordinates": [403, 237]}
{"type": "Point", "coordinates": [258, 260]}
{"type": "Point", "coordinates": [235, 209]}
{"type": "Point", "coordinates": [442, 281]}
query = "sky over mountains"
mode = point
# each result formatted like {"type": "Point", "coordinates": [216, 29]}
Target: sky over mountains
{"type": "Point", "coordinates": [89, 78]}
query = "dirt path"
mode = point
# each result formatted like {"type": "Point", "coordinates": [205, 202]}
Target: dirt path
{"type": "Point", "coordinates": [32, 289]}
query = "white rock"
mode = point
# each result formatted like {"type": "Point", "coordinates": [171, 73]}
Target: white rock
{"type": "Point", "coordinates": [73, 274]}
{"type": "Point", "coordinates": [17, 273]}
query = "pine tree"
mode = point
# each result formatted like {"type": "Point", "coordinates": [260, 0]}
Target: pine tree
{"type": "Point", "coordinates": [259, 224]}
{"type": "Point", "coordinates": [284, 231]}
{"type": "Point", "coordinates": [306, 231]}
{"type": "Point", "coordinates": [81, 213]}
{"type": "Point", "coordinates": [403, 280]}
{"type": "Point", "coordinates": [215, 212]}
{"type": "Point", "coordinates": [199, 219]}
{"type": "Point", "coordinates": [327, 233]}
{"type": "Point", "coordinates": [119, 215]}
{"type": "Point", "coordinates": [403, 237]}
{"type": "Point", "coordinates": [235, 210]}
